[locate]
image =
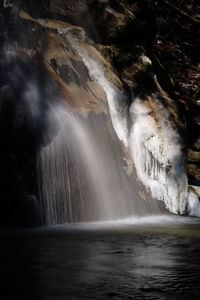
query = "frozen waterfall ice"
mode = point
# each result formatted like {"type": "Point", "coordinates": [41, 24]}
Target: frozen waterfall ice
{"type": "Point", "coordinates": [155, 146]}
{"type": "Point", "coordinates": [158, 156]}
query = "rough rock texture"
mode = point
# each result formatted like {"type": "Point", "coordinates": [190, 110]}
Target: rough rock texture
{"type": "Point", "coordinates": [177, 49]}
{"type": "Point", "coordinates": [145, 49]}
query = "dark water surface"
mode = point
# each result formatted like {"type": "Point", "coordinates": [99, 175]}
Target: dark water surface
{"type": "Point", "coordinates": [157, 259]}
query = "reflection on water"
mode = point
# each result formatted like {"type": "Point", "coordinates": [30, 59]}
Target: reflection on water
{"type": "Point", "coordinates": [124, 261]}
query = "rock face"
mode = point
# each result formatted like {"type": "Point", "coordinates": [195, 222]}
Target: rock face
{"type": "Point", "coordinates": [176, 47]}
{"type": "Point", "coordinates": [103, 58]}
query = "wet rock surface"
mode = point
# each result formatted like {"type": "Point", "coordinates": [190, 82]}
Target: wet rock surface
{"type": "Point", "coordinates": [145, 49]}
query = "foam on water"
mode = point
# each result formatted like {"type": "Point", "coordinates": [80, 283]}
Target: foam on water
{"type": "Point", "coordinates": [131, 223]}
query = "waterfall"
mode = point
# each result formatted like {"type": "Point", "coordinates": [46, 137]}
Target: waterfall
{"type": "Point", "coordinates": [81, 178]}
{"type": "Point", "coordinates": [82, 172]}
{"type": "Point", "coordinates": [66, 165]}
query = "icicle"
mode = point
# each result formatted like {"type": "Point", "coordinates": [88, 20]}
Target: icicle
{"type": "Point", "coordinates": [158, 157]}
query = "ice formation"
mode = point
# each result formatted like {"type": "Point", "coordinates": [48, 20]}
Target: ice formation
{"type": "Point", "coordinates": [157, 153]}
{"type": "Point", "coordinates": [115, 97]}
{"type": "Point", "coordinates": [193, 206]}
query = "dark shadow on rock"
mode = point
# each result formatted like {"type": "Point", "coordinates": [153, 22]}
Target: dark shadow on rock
{"type": "Point", "coordinates": [26, 124]}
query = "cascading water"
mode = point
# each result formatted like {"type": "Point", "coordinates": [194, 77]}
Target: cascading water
{"type": "Point", "coordinates": [73, 172]}
{"type": "Point", "coordinates": [82, 174]}
{"type": "Point", "coordinates": [79, 178]}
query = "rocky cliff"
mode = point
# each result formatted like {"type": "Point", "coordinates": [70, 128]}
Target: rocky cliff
{"type": "Point", "coordinates": [131, 60]}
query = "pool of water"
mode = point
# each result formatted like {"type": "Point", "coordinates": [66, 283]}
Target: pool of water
{"type": "Point", "coordinates": [146, 258]}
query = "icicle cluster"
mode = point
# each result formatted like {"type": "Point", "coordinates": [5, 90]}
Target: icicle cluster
{"type": "Point", "coordinates": [156, 149]}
